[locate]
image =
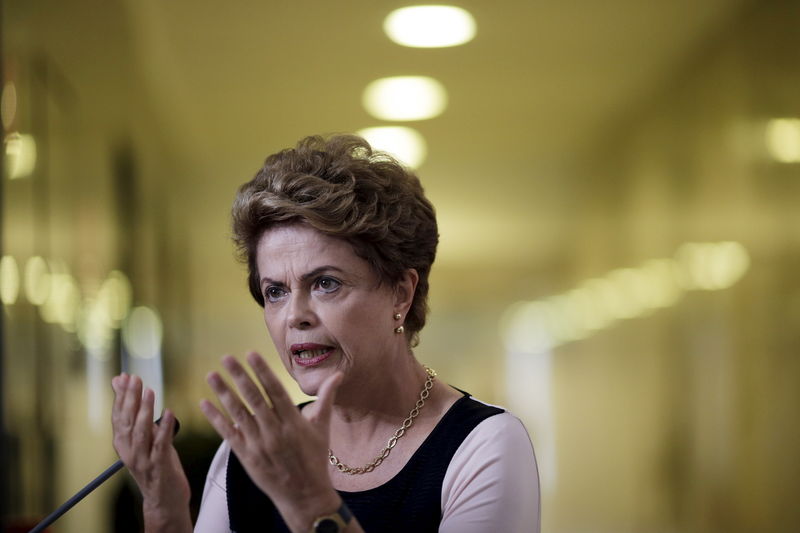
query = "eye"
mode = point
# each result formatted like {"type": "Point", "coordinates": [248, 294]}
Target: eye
{"type": "Point", "coordinates": [327, 284]}
{"type": "Point", "coordinates": [273, 293]}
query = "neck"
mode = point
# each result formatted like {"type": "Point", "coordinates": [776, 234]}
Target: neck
{"type": "Point", "coordinates": [381, 399]}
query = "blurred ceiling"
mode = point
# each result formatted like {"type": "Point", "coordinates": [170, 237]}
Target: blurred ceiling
{"type": "Point", "coordinates": [539, 84]}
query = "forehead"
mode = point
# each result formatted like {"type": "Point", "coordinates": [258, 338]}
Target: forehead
{"type": "Point", "coordinates": [299, 249]}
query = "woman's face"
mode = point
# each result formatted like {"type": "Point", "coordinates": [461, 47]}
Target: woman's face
{"type": "Point", "coordinates": [324, 306]}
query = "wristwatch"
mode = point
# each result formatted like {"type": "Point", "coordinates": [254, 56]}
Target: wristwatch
{"type": "Point", "coordinates": [333, 523]}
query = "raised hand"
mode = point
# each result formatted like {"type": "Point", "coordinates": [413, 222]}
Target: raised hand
{"type": "Point", "coordinates": [146, 450]}
{"type": "Point", "coordinates": [283, 450]}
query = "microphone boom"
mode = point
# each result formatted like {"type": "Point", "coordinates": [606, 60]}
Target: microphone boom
{"type": "Point", "coordinates": [81, 494]}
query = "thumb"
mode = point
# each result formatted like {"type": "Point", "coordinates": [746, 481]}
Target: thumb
{"type": "Point", "coordinates": [325, 397]}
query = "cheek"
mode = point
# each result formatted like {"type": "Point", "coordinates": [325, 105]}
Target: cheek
{"type": "Point", "coordinates": [362, 323]}
{"type": "Point", "coordinates": [271, 321]}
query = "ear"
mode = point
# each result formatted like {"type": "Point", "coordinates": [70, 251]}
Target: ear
{"type": "Point", "coordinates": [404, 291]}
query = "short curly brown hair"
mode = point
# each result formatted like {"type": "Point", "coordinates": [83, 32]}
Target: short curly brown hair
{"type": "Point", "coordinates": [341, 187]}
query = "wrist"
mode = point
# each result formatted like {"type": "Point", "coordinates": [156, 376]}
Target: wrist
{"type": "Point", "coordinates": [161, 519]}
{"type": "Point", "coordinates": [336, 522]}
{"type": "Point", "coordinates": [300, 517]}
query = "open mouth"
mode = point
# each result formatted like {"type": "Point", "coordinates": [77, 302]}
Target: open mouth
{"type": "Point", "coordinates": [309, 354]}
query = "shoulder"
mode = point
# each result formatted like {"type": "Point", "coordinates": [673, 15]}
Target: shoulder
{"type": "Point", "coordinates": [502, 437]}
{"type": "Point", "coordinates": [493, 479]}
{"type": "Point", "coordinates": [504, 427]}
{"type": "Point", "coordinates": [486, 426]}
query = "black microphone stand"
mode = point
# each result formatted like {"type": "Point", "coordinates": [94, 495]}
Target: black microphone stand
{"type": "Point", "coordinates": [81, 494]}
{"type": "Point", "coordinates": [69, 504]}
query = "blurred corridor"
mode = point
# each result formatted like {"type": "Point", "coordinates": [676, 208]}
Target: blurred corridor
{"type": "Point", "coordinates": [618, 192]}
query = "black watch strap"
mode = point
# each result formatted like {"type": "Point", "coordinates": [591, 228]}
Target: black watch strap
{"type": "Point", "coordinates": [333, 523]}
{"type": "Point", "coordinates": [344, 512]}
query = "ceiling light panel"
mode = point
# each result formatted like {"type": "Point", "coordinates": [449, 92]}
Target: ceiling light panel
{"type": "Point", "coordinates": [430, 26]}
{"type": "Point", "coordinates": [405, 98]}
{"type": "Point", "coordinates": [406, 144]}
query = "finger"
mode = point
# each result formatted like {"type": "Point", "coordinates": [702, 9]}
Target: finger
{"type": "Point", "coordinates": [325, 398]}
{"type": "Point", "coordinates": [220, 423]}
{"type": "Point", "coordinates": [232, 404]}
{"type": "Point", "coordinates": [132, 396]}
{"type": "Point", "coordinates": [164, 433]}
{"type": "Point", "coordinates": [143, 427]}
{"type": "Point", "coordinates": [250, 392]}
{"type": "Point", "coordinates": [118, 384]}
{"type": "Point", "coordinates": [120, 421]}
{"type": "Point", "coordinates": [281, 402]}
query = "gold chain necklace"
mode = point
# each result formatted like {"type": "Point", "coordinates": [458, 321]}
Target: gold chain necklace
{"type": "Point", "coordinates": [397, 434]}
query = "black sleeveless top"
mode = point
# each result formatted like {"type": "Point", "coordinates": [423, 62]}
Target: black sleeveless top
{"type": "Point", "coordinates": [410, 501]}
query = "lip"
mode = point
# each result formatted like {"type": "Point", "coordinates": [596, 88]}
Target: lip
{"type": "Point", "coordinates": [307, 346]}
{"type": "Point", "coordinates": [309, 362]}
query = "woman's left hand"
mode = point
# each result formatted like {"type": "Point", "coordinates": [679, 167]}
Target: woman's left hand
{"type": "Point", "coordinates": [283, 450]}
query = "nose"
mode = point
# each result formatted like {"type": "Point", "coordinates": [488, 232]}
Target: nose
{"type": "Point", "coordinates": [301, 315]}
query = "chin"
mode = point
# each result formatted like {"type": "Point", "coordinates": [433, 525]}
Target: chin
{"type": "Point", "coordinates": [310, 379]}
{"type": "Point", "coordinates": [309, 390]}
{"type": "Point", "coordinates": [310, 383]}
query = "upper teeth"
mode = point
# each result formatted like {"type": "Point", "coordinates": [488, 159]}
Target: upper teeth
{"type": "Point", "coordinates": [308, 354]}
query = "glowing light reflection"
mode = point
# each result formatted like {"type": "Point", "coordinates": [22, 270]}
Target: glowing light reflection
{"type": "Point", "coordinates": [20, 157]}
{"type": "Point", "coordinates": [115, 296]}
{"type": "Point", "coordinates": [94, 329]}
{"type": "Point", "coordinates": [540, 325]}
{"type": "Point", "coordinates": [783, 139]}
{"type": "Point", "coordinates": [37, 280]}
{"type": "Point", "coordinates": [405, 98]}
{"type": "Point", "coordinates": [9, 280]}
{"type": "Point", "coordinates": [63, 303]}
{"type": "Point", "coordinates": [660, 288]}
{"type": "Point", "coordinates": [142, 333]}
{"type": "Point", "coordinates": [430, 26]}
{"type": "Point", "coordinates": [406, 144]}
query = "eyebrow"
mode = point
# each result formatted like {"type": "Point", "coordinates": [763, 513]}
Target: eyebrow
{"type": "Point", "coordinates": [305, 277]}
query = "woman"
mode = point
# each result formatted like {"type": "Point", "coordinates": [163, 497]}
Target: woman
{"type": "Point", "coordinates": [339, 241]}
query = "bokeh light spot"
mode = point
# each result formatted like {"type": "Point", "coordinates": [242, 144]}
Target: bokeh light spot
{"type": "Point", "coordinates": [406, 144]}
{"type": "Point", "coordinates": [433, 26]}
{"type": "Point", "coordinates": [405, 98]}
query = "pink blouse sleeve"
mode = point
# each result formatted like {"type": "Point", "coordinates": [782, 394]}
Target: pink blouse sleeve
{"type": "Point", "coordinates": [492, 483]}
{"type": "Point", "coordinates": [213, 517]}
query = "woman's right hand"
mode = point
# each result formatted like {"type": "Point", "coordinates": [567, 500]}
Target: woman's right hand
{"type": "Point", "coordinates": [146, 450]}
